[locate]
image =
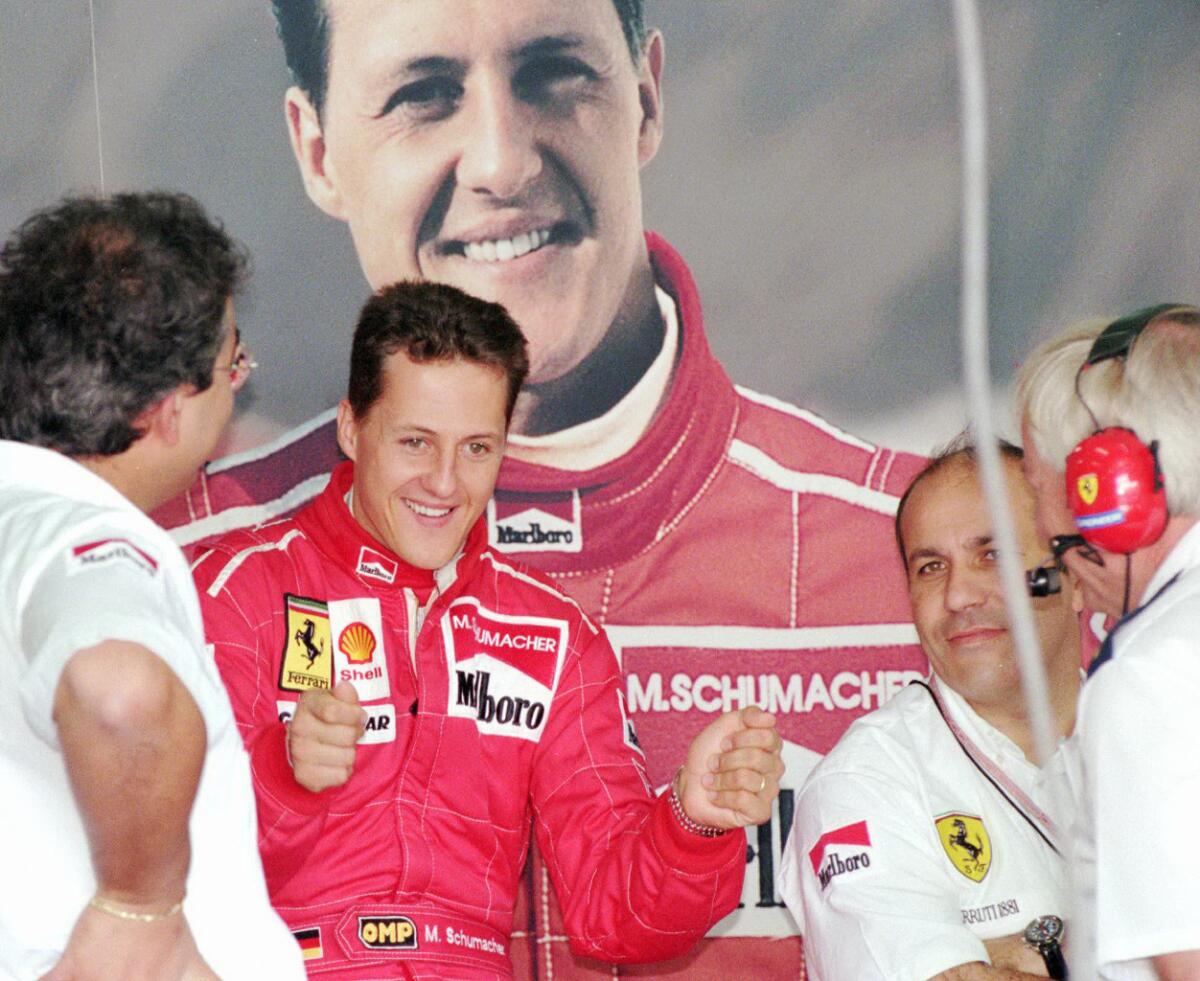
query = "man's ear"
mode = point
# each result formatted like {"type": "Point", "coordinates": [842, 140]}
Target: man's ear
{"type": "Point", "coordinates": [347, 429]}
{"type": "Point", "coordinates": [162, 419]}
{"type": "Point", "coordinates": [1076, 592]}
{"type": "Point", "coordinates": [650, 95]}
{"type": "Point", "coordinates": [308, 145]}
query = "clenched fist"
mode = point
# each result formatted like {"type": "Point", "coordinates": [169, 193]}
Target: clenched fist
{"type": "Point", "coordinates": [732, 771]}
{"type": "Point", "coordinates": [322, 736]}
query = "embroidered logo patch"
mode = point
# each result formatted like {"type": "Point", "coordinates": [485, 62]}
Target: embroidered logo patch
{"type": "Point", "coordinates": [357, 642]}
{"type": "Point", "coordinates": [966, 843]}
{"type": "Point", "coordinates": [502, 669]}
{"type": "Point", "coordinates": [381, 721]}
{"type": "Point", "coordinates": [1088, 488]}
{"type": "Point", "coordinates": [108, 550]}
{"type": "Point", "coordinates": [544, 527]}
{"type": "Point", "coordinates": [841, 851]}
{"type": "Point", "coordinates": [360, 656]}
{"type": "Point", "coordinates": [310, 943]}
{"type": "Point", "coordinates": [387, 932]}
{"type": "Point", "coordinates": [374, 565]}
{"type": "Point", "coordinates": [307, 660]}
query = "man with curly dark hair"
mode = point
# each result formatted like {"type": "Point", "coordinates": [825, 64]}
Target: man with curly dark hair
{"type": "Point", "coordinates": [126, 789]}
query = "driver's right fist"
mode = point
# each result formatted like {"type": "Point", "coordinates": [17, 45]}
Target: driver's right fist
{"type": "Point", "coordinates": [322, 736]}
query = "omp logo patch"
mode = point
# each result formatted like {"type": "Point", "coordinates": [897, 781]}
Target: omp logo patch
{"type": "Point", "coordinates": [387, 932]}
{"type": "Point", "coordinates": [357, 642]}
{"type": "Point", "coordinates": [966, 843]}
{"type": "Point", "coordinates": [545, 527]}
{"type": "Point", "coordinates": [105, 551]}
{"type": "Point", "coordinates": [841, 851]}
{"type": "Point", "coordinates": [375, 565]}
{"type": "Point", "coordinates": [1088, 488]}
{"type": "Point", "coordinates": [503, 670]}
{"type": "Point", "coordinates": [307, 660]}
{"type": "Point", "coordinates": [310, 943]}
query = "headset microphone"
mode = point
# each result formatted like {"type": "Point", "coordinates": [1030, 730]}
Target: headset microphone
{"type": "Point", "coordinates": [1043, 580]}
{"type": "Point", "coordinates": [1046, 579]}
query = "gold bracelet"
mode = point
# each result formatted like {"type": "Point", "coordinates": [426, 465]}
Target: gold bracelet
{"type": "Point", "coordinates": [105, 906]}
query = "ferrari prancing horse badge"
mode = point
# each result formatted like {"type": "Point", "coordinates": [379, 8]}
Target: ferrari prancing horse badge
{"type": "Point", "coordinates": [966, 843]}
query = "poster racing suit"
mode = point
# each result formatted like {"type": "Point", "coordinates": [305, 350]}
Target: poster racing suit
{"type": "Point", "coordinates": [491, 701]}
{"type": "Point", "coordinates": [741, 551]}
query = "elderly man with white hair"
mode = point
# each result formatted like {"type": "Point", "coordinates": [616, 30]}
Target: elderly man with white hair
{"type": "Point", "coordinates": [1109, 417]}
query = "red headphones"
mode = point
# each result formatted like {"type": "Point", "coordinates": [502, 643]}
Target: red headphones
{"type": "Point", "coordinates": [1114, 482]}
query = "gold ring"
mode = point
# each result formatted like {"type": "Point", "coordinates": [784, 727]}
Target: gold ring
{"type": "Point", "coordinates": [762, 786]}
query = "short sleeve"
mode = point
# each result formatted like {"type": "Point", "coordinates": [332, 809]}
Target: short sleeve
{"type": "Point", "coordinates": [100, 584]}
{"type": "Point", "coordinates": [861, 877]}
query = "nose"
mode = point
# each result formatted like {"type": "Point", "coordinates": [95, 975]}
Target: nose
{"type": "Point", "coordinates": [499, 155]}
{"type": "Point", "coordinates": [966, 587]}
{"type": "Point", "coordinates": [441, 478]}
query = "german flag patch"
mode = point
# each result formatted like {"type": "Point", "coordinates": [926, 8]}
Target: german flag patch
{"type": "Point", "coordinates": [310, 943]}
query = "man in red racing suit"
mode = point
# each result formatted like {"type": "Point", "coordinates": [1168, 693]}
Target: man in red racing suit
{"type": "Point", "coordinates": [740, 539]}
{"type": "Point", "coordinates": [489, 698]}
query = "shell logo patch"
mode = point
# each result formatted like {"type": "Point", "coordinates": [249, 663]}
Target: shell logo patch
{"type": "Point", "coordinates": [966, 844]}
{"type": "Point", "coordinates": [1088, 488]}
{"type": "Point", "coordinates": [307, 649]}
{"type": "Point", "coordinates": [357, 642]}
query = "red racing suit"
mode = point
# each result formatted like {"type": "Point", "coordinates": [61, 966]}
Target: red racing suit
{"type": "Point", "coordinates": [741, 551]}
{"type": "Point", "coordinates": [491, 700]}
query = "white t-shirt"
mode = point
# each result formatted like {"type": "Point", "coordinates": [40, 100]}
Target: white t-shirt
{"type": "Point", "coordinates": [79, 564]}
{"type": "Point", "coordinates": [1135, 772]}
{"type": "Point", "coordinates": [903, 857]}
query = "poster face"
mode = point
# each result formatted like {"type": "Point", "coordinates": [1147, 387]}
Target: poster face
{"type": "Point", "coordinates": [808, 173]}
{"type": "Point", "coordinates": [800, 162]}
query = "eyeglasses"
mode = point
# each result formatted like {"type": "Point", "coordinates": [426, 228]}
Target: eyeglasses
{"type": "Point", "coordinates": [240, 368]}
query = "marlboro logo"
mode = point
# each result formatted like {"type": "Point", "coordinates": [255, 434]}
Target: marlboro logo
{"type": "Point", "coordinates": [374, 565]}
{"type": "Point", "coordinates": [542, 527]}
{"type": "Point", "coordinates": [107, 550]}
{"type": "Point", "coordinates": [845, 849]}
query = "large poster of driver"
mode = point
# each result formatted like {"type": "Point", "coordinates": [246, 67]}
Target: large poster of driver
{"type": "Point", "coordinates": [729, 233]}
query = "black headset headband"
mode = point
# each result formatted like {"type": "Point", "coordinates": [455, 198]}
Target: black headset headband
{"type": "Point", "coordinates": [1117, 338]}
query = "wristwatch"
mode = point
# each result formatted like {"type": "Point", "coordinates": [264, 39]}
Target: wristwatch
{"type": "Point", "coordinates": [1043, 935]}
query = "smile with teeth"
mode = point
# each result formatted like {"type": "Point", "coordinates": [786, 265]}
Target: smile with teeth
{"type": "Point", "coordinates": [503, 249]}
{"type": "Point", "coordinates": [427, 512]}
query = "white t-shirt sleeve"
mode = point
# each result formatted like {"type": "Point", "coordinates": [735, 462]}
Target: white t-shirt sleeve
{"type": "Point", "coordinates": [102, 583]}
{"type": "Point", "coordinates": [1139, 745]}
{"type": "Point", "coordinates": [864, 875]}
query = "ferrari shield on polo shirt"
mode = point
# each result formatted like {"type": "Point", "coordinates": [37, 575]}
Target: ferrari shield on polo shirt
{"type": "Point", "coordinates": [503, 670]}
{"type": "Point", "coordinates": [966, 843]}
{"type": "Point", "coordinates": [341, 640]}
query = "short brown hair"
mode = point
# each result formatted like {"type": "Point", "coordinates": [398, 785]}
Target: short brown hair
{"type": "Point", "coordinates": [433, 322]}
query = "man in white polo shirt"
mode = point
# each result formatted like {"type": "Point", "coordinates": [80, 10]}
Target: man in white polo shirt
{"type": "Point", "coordinates": [127, 806]}
{"type": "Point", "coordinates": [926, 843]}
{"type": "Point", "coordinates": [1109, 412]}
